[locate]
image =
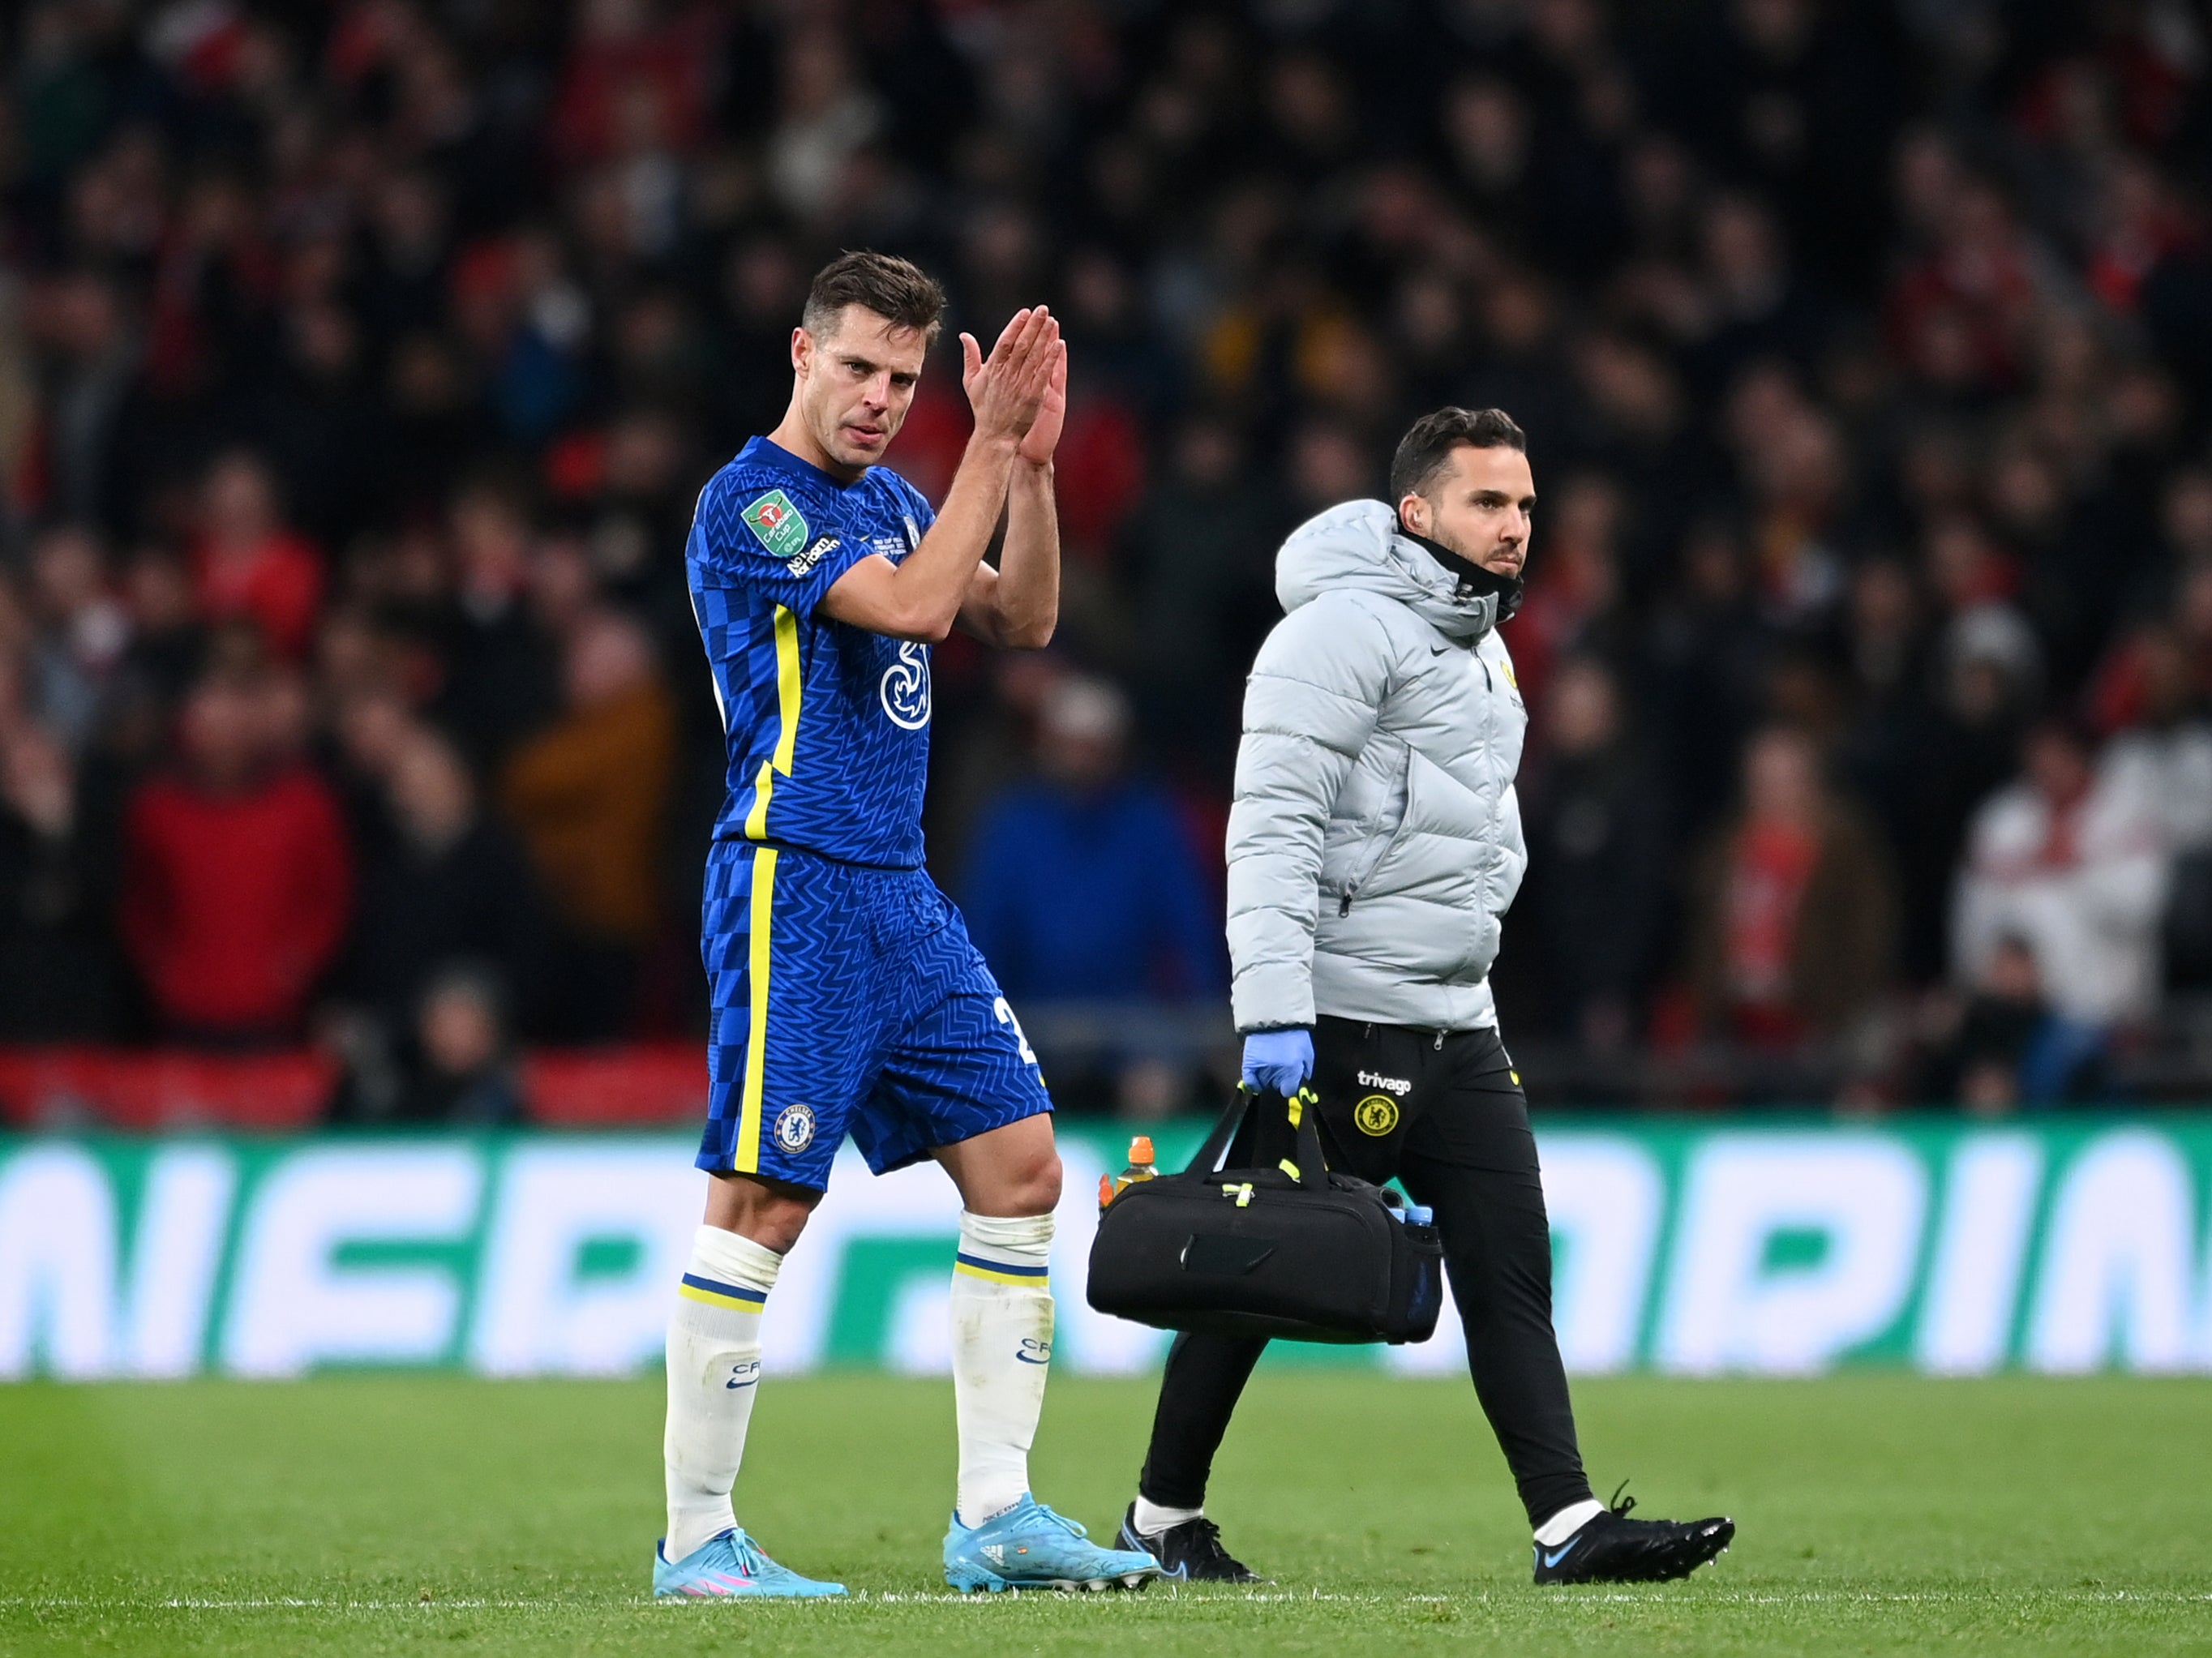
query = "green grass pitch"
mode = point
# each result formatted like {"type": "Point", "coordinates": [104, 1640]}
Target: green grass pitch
{"type": "Point", "coordinates": [408, 1515]}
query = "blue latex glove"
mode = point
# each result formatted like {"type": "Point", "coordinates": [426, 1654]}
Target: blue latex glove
{"type": "Point", "coordinates": [1278, 1061]}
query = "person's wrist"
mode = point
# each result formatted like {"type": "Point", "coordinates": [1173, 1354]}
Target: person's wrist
{"type": "Point", "coordinates": [1005, 443]}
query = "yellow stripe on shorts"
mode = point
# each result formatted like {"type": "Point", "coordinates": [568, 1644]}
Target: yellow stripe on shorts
{"type": "Point", "coordinates": [746, 1159]}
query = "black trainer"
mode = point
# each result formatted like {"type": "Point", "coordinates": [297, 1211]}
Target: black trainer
{"type": "Point", "coordinates": [1611, 1548]}
{"type": "Point", "coordinates": [1189, 1553]}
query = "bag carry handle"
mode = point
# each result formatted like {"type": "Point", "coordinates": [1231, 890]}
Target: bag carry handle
{"type": "Point", "coordinates": [1304, 1109]}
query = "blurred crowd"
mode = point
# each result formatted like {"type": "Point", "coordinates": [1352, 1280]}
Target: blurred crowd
{"type": "Point", "coordinates": [360, 364]}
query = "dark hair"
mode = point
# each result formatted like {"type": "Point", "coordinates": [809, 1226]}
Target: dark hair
{"type": "Point", "coordinates": [1428, 445]}
{"type": "Point", "coordinates": [902, 292]}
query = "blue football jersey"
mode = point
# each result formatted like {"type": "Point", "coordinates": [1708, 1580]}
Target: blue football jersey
{"type": "Point", "coordinates": [827, 726]}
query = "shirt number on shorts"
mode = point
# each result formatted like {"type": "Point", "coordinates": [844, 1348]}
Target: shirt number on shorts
{"type": "Point", "coordinates": [1006, 1016]}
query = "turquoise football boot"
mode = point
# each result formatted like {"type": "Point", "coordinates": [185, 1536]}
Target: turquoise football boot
{"type": "Point", "coordinates": [730, 1567]}
{"type": "Point", "coordinates": [1030, 1546]}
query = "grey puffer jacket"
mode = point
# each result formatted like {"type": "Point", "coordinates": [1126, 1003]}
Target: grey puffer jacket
{"type": "Point", "coordinates": [1374, 840]}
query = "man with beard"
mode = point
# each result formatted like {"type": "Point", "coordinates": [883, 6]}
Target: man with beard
{"type": "Point", "coordinates": [1374, 843]}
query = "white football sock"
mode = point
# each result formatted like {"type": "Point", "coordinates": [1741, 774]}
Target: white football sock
{"type": "Point", "coordinates": [713, 1375]}
{"type": "Point", "coordinates": [1001, 1349]}
{"type": "Point", "coordinates": [1153, 1518]}
{"type": "Point", "coordinates": [1568, 1521]}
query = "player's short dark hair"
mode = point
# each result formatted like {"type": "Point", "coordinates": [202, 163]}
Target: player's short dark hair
{"type": "Point", "coordinates": [897, 290]}
{"type": "Point", "coordinates": [1427, 446]}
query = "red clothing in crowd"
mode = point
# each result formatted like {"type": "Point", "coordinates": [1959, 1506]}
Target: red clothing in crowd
{"type": "Point", "coordinates": [1573, 587]}
{"type": "Point", "coordinates": [233, 904]}
{"type": "Point", "coordinates": [278, 587]}
{"type": "Point", "coordinates": [669, 69]}
{"type": "Point", "coordinates": [1098, 473]}
{"type": "Point", "coordinates": [1767, 879]}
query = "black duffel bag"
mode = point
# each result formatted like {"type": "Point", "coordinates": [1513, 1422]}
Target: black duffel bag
{"type": "Point", "coordinates": [1297, 1252]}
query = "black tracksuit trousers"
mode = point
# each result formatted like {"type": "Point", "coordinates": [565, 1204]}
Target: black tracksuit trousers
{"type": "Point", "coordinates": [1446, 1116]}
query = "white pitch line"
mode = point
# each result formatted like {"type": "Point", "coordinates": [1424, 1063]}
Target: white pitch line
{"type": "Point", "coordinates": [273, 1603]}
{"type": "Point", "coordinates": [1326, 1597]}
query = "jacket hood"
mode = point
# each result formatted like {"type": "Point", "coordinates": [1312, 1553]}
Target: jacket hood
{"type": "Point", "coordinates": [1358, 544]}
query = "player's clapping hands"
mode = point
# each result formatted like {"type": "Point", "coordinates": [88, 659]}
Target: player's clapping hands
{"type": "Point", "coordinates": [1020, 391]}
{"type": "Point", "coordinates": [1043, 436]}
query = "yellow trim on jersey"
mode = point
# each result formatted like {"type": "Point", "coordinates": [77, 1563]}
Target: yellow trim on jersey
{"type": "Point", "coordinates": [787, 685]}
{"type": "Point", "coordinates": [787, 688]}
{"type": "Point", "coordinates": [745, 1159]}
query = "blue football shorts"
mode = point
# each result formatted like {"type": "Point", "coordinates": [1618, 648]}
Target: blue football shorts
{"type": "Point", "coordinates": [847, 1000]}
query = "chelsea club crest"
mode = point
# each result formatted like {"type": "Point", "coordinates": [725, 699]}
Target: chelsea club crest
{"type": "Point", "coordinates": [1376, 1114]}
{"type": "Point", "coordinates": [795, 1128]}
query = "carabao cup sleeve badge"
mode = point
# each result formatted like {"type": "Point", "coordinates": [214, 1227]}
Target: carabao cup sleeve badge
{"type": "Point", "coordinates": [778, 525]}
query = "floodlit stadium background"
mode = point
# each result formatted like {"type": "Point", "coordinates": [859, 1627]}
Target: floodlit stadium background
{"type": "Point", "coordinates": [358, 370]}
